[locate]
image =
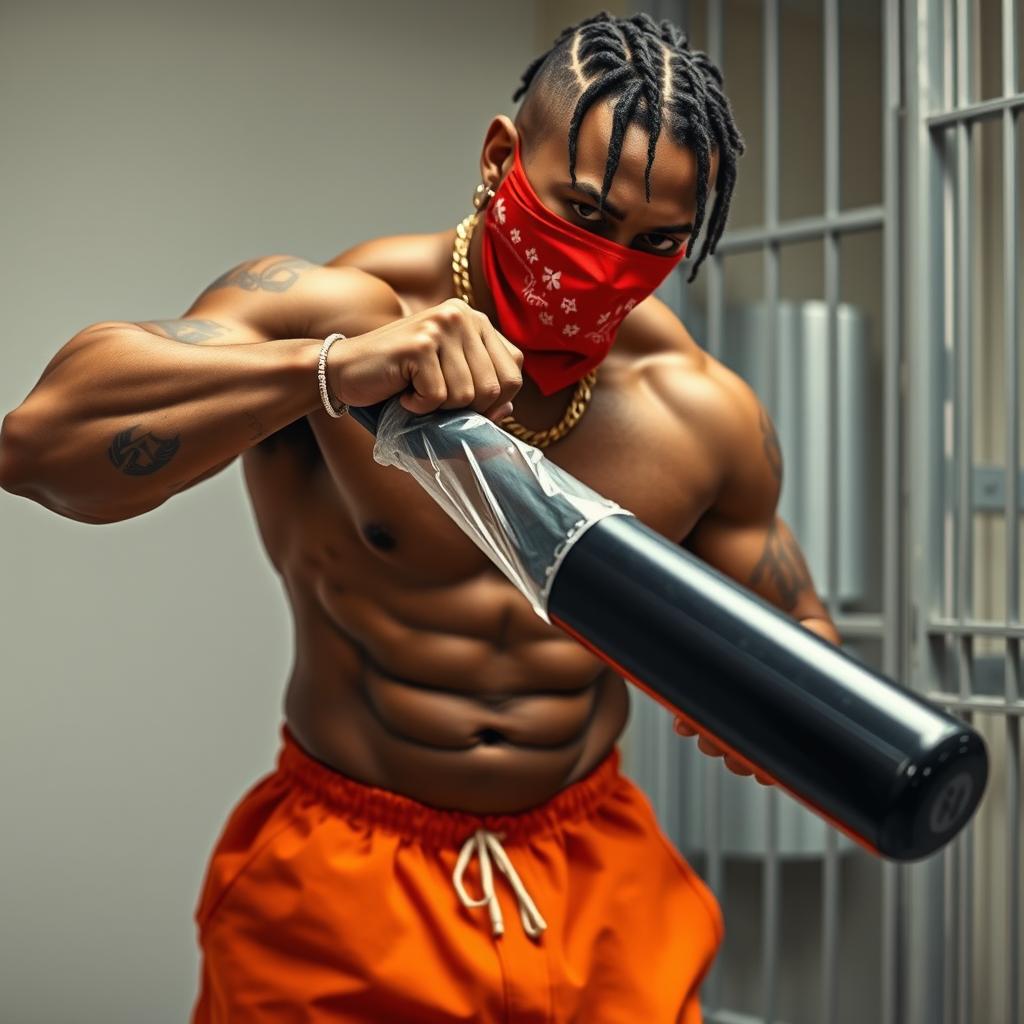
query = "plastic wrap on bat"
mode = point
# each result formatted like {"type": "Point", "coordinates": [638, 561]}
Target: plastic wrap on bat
{"type": "Point", "coordinates": [898, 775]}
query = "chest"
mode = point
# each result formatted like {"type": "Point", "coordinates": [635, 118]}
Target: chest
{"type": "Point", "coordinates": [325, 504]}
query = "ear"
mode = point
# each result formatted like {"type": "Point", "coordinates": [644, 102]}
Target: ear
{"type": "Point", "coordinates": [498, 152]}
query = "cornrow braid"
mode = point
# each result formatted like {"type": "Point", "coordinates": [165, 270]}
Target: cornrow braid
{"type": "Point", "coordinates": [631, 60]}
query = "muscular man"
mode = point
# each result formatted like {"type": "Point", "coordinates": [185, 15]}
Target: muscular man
{"type": "Point", "coordinates": [440, 739]}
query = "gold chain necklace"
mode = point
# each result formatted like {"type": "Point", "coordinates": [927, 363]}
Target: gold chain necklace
{"type": "Point", "coordinates": [581, 397]}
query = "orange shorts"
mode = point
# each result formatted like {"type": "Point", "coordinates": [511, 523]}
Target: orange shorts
{"type": "Point", "coordinates": [328, 900]}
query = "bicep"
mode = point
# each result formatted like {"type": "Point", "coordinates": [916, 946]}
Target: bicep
{"type": "Point", "coordinates": [742, 534]}
{"type": "Point", "coordinates": [257, 300]}
{"type": "Point", "coordinates": [267, 298]}
{"type": "Point", "coordinates": [242, 306]}
{"type": "Point", "coordinates": [288, 297]}
{"type": "Point", "coordinates": [281, 296]}
{"type": "Point", "coordinates": [763, 556]}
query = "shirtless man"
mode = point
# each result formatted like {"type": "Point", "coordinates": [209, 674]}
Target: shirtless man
{"type": "Point", "coordinates": [428, 706]}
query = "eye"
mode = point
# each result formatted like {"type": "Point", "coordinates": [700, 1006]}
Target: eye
{"type": "Point", "coordinates": [577, 207]}
{"type": "Point", "coordinates": [673, 243]}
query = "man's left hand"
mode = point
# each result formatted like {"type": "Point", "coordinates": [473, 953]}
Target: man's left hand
{"type": "Point", "coordinates": [712, 750]}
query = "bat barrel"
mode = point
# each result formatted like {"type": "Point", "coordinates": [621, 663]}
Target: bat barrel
{"type": "Point", "coordinates": [898, 775]}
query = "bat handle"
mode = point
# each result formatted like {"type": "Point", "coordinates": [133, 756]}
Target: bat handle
{"type": "Point", "coordinates": [368, 415]}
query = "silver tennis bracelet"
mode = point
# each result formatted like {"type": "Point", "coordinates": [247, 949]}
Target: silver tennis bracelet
{"type": "Point", "coordinates": [337, 411]}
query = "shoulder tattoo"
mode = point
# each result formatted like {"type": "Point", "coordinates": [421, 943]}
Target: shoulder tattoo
{"type": "Point", "coordinates": [277, 276]}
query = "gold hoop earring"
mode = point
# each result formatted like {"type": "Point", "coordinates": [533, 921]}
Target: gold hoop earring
{"type": "Point", "coordinates": [478, 195]}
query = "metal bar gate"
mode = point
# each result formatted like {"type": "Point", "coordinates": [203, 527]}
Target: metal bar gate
{"type": "Point", "coordinates": [928, 364]}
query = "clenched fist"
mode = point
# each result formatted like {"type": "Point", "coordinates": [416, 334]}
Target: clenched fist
{"type": "Point", "coordinates": [447, 356]}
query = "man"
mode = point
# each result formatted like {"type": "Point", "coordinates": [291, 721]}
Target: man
{"type": "Point", "coordinates": [437, 733]}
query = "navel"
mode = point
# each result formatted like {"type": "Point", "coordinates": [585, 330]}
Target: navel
{"type": "Point", "coordinates": [378, 536]}
{"type": "Point", "coordinates": [490, 736]}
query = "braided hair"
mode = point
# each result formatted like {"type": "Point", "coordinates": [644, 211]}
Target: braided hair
{"type": "Point", "coordinates": [650, 67]}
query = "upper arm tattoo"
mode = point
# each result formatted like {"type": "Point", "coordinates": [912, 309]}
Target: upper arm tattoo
{"type": "Point", "coordinates": [277, 276]}
{"type": "Point", "coordinates": [782, 565]}
{"type": "Point", "coordinates": [772, 448]}
{"type": "Point", "coordinates": [190, 331]}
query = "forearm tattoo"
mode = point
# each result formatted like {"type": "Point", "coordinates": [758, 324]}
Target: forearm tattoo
{"type": "Point", "coordinates": [277, 276]}
{"type": "Point", "coordinates": [782, 564]}
{"type": "Point", "coordinates": [142, 455]}
{"type": "Point", "coordinates": [189, 331]}
{"type": "Point", "coordinates": [772, 448]}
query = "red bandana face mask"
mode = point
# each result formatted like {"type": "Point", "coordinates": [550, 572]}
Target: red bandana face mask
{"type": "Point", "coordinates": [560, 292]}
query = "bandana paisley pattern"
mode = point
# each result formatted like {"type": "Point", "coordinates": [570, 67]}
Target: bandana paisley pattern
{"type": "Point", "coordinates": [560, 292]}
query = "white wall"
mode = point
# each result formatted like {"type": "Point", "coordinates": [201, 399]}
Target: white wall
{"type": "Point", "coordinates": [144, 149]}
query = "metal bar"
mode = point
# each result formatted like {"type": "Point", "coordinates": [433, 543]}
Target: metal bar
{"type": "Point", "coordinates": [716, 37]}
{"type": "Point", "coordinates": [860, 624]}
{"type": "Point", "coordinates": [1013, 858]}
{"type": "Point", "coordinates": [715, 866]}
{"type": "Point", "coordinates": [965, 598]}
{"type": "Point", "coordinates": [939, 625]}
{"type": "Point", "coordinates": [965, 913]}
{"type": "Point", "coordinates": [665, 751]}
{"type": "Point", "coordinates": [716, 282]}
{"type": "Point", "coordinates": [949, 296]}
{"type": "Point", "coordinates": [1010, 54]}
{"type": "Point", "coordinates": [830, 930]}
{"type": "Point", "coordinates": [771, 883]}
{"type": "Point", "coordinates": [963, 409]}
{"type": "Point", "coordinates": [949, 100]}
{"type": "Point", "coordinates": [734, 1017]}
{"type": "Point", "coordinates": [1011, 321]}
{"type": "Point", "coordinates": [950, 906]}
{"type": "Point", "coordinates": [927, 50]}
{"type": "Point", "coordinates": [831, 282]}
{"type": "Point", "coordinates": [954, 524]}
{"type": "Point", "coordinates": [968, 113]}
{"type": "Point", "coordinates": [802, 229]}
{"type": "Point", "coordinates": [1011, 368]}
{"type": "Point", "coordinates": [771, 114]}
{"type": "Point", "coordinates": [963, 346]}
{"type": "Point", "coordinates": [893, 887]}
{"type": "Point", "coordinates": [712, 990]}
{"type": "Point", "coordinates": [716, 305]}
{"type": "Point", "coordinates": [964, 87]}
{"type": "Point", "coordinates": [985, 705]}
{"type": "Point", "coordinates": [831, 134]}
{"type": "Point", "coordinates": [771, 875]}
{"type": "Point", "coordinates": [771, 185]}
{"type": "Point", "coordinates": [895, 653]}
{"type": "Point", "coordinates": [832, 72]}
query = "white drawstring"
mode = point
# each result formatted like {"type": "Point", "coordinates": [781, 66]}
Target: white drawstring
{"type": "Point", "coordinates": [487, 844]}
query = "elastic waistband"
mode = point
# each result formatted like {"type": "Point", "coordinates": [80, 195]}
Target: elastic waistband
{"type": "Point", "coordinates": [436, 826]}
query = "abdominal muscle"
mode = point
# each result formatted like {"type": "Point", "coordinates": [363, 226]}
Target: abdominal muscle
{"type": "Point", "coordinates": [496, 720]}
{"type": "Point", "coordinates": [419, 667]}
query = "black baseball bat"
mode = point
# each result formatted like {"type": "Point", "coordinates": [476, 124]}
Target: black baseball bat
{"type": "Point", "coordinates": [895, 773]}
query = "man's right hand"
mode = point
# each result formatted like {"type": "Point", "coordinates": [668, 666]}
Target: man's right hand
{"type": "Point", "coordinates": [447, 356]}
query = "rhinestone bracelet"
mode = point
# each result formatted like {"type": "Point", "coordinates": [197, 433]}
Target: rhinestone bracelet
{"type": "Point", "coordinates": [321, 374]}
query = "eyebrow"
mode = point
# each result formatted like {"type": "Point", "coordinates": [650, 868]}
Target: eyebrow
{"type": "Point", "coordinates": [590, 190]}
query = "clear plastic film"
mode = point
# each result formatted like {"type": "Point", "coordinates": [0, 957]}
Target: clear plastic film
{"type": "Point", "coordinates": [522, 510]}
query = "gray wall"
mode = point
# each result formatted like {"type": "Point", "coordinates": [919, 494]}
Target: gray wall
{"type": "Point", "coordinates": [144, 149]}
